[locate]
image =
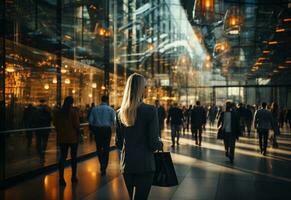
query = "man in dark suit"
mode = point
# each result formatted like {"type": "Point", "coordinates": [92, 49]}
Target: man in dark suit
{"type": "Point", "coordinates": [161, 116]}
{"type": "Point", "coordinates": [175, 117]}
{"type": "Point", "coordinates": [198, 119]}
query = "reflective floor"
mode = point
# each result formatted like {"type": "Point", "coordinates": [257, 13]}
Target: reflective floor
{"type": "Point", "coordinates": [203, 172]}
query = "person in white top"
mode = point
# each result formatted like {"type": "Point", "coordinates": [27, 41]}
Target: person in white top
{"type": "Point", "coordinates": [230, 126]}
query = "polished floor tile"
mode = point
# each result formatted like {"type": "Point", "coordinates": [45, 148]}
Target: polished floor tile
{"type": "Point", "coordinates": [203, 173]}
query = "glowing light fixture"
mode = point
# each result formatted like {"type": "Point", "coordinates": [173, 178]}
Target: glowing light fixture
{"type": "Point", "coordinates": [207, 4]}
{"type": "Point", "coordinates": [90, 95]}
{"type": "Point", "coordinates": [280, 30]}
{"type": "Point", "coordinates": [103, 87]}
{"type": "Point", "coordinates": [287, 20]}
{"type": "Point", "coordinates": [272, 42]}
{"type": "Point", "coordinates": [266, 51]}
{"type": "Point", "coordinates": [281, 67]}
{"type": "Point", "coordinates": [94, 85]}
{"type": "Point", "coordinates": [10, 69]}
{"type": "Point", "coordinates": [288, 61]}
{"type": "Point", "coordinates": [55, 80]}
{"type": "Point", "coordinates": [46, 86]}
{"type": "Point", "coordinates": [73, 91]}
{"type": "Point", "coordinates": [67, 81]}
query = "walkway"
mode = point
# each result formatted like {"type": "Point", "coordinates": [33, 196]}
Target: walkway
{"type": "Point", "coordinates": [203, 173]}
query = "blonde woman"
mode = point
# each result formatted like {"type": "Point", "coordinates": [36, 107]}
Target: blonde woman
{"type": "Point", "coordinates": [137, 136]}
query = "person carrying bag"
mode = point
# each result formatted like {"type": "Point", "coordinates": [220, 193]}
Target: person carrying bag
{"type": "Point", "coordinates": [165, 175]}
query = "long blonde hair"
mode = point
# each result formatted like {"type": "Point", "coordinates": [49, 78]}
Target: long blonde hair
{"type": "Point", "coordinates": [132, 98]}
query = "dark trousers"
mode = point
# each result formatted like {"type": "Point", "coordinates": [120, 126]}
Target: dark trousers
{"type": "Point", "coordinates": [229, 144]}
{"type": "Point", "coordinates": [138, 185]}
{"type": "Point", "coordinates": [41, 142]}
{"type": "Point", "coordinates": [197, 132]}
{"type": "Point", "coordinates": [249, 125]}
{"type": "Point", "coordinates": [102, 139]}
{"type": "Point", "coordinates": [29, 135]}
{"type": "Point", "coordinates": [175, 133]}
{"type": "Point", "coordinates": [263, 139]}
{"type": "Point", "coordinates": [64, 147]}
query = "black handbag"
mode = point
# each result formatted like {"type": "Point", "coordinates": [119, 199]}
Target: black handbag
{"type": "Point", "coordinates": [165, 175]}
{"type": "Point", "coordinates": [220, 133]}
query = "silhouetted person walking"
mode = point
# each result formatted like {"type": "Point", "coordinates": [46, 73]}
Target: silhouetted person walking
{"type": "Point", "coordinates": [161, 116]}
{"type": "Point", "coordinates": [28, 122]}
{"type": "Point", "coordinates": [263, 121]}
{"type": "Point", "coordinates": [138, 137]}
{"type": "Point", "coordinates": [67, 124]}
{"type": "Point", "coordinates": [248, 119]}
{"type": "Point", "coordinates": [42, 119]}
{"type": "Point", "coordinates": [175, 118]}
{"type": "Point", "coordinates": [231, 129]}
{"type": "Point", "coordinates": [198, 119]}
{"type": "Point", "coordinates": [102, 119]}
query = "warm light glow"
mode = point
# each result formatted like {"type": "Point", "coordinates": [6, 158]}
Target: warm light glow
{"type": "Point", "coordinates": [183, 60]}
{"type": "Point", "coordinates": [207, 4]}
{"type": "Point", "coordinates": [63, 71]}
{"type": "Point", "coordinates": [10, 69]}
{"type": "Point", "coordinates": [90, 95]}
{"type": "Point", "coordinates": [288, 61]}
{"type": "Point", "coordinates": [233, 21]}
{"type": "Point", "coordinates": [275, 71]}
{"type": "Point", "coordinates": [94, 85]}
{"type": "Point", "coordinates": [117, 60]}
{"type": "Point", "coordinates": [222, 47]}
{"type": "Point", "coordinates": [208, 57]}
{"type": "Point", "coordinates": [273, 42]}
{"type": "Point", "coordinates": [102, 32]}
{"type": "Point", "coordinates": [67, 81]}
{"type": "Point", "coordinates": [66, 66]}
{"type": "Point", "coordinates": [281, 67]}
{"type": "Point", "coordinates": [261, 59]}
{"type": "Point", "coordinates": [103, 87]}
{"type": "Point", "coordinates": [207, 65]}
{"type": "Point", "coordinates": [73, 91]}
{"type": "Point", "coordinates": [55, 80]}
{"type": "Point", "coordinates": [46, 86]}
{"type": "Point", "coordinates": [287, 20]}
{"type": "Point", "coordinates": [234, 32]}
{"type": "Point", "coordinates": [266, 51]}
{"type": "Point", "coordinates": [280, 30]}
{"type": "Point", "coordinates": [150, 46]}
{"type": "Point", "coordinates": [258, 63]}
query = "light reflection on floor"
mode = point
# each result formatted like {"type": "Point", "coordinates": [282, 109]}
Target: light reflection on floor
{"type": "Point", "coordinates": [203, 172]}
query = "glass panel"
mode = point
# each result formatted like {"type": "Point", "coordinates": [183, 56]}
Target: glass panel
{"type": "Point", "coordinates": [31, 150]}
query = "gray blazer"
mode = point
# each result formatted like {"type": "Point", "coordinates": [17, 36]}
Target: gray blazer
{"type": "Point", "coordinates": [139, 141]}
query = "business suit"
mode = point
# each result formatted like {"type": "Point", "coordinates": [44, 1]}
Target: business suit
{"type": "Point", "coordinates": [198, 119]}
{"type": "Point", "coordinates": [138, 143]}
{"type": "Point", "coordinates": [230, 137]}
{"type": "Point", "coordinates": [263, 121]}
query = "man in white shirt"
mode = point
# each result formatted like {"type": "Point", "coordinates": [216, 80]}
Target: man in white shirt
{"type": "Point", "coordinates": [101, 119]}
